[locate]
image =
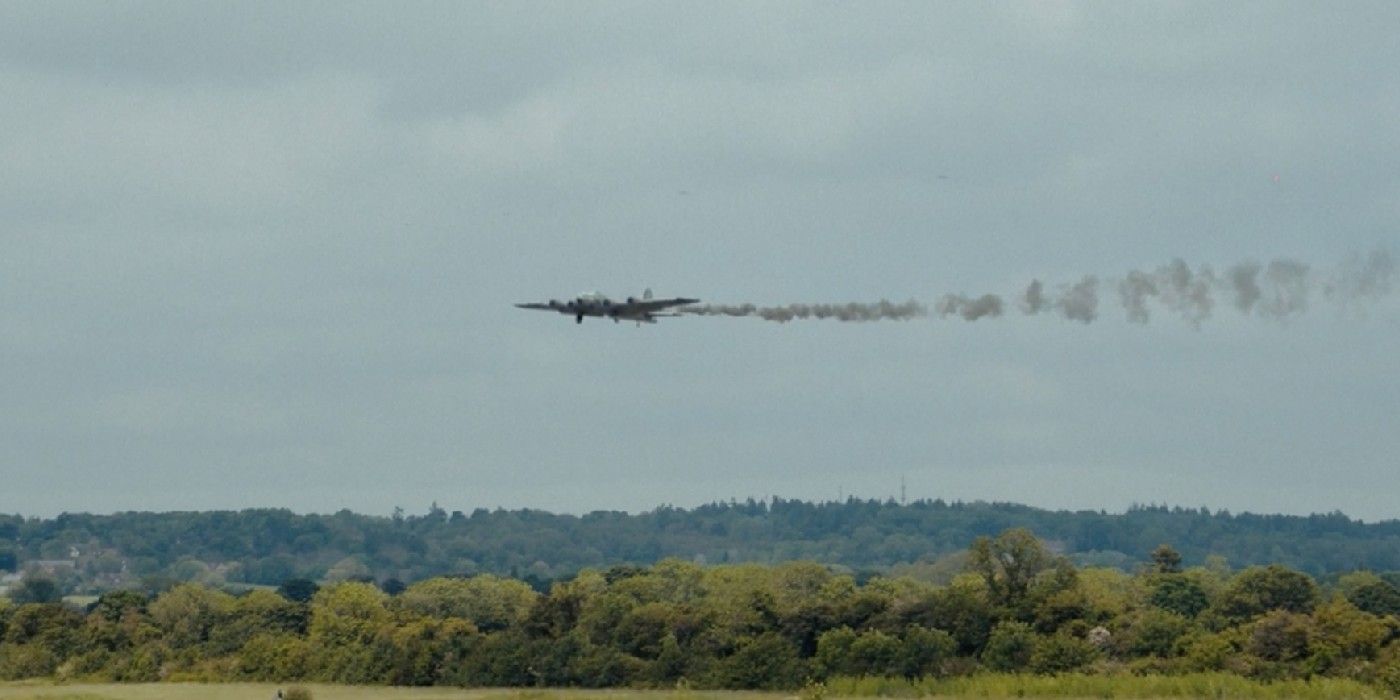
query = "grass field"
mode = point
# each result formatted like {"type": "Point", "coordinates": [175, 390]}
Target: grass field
{"type": "Point", "coordinates": [268, 691]}
{"type": "Point", "coordinates": [984, 686]}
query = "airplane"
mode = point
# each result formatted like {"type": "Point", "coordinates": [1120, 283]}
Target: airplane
{"type": "Point", "coordinates": [644, 310]}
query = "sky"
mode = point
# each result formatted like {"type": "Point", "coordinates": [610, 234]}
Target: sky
{"type": "Point", "coordinates": [265, 254]}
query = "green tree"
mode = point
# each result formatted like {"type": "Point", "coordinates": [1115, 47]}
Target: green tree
{"type": "Point", "coordinates": [36, 588]}
{"type": "Point", "coordinates": [1055, 598]}
{"type": "Point", "coordinates": [765, 662]}
{"type": "Point", "coordinates": [1062, 653]}
{"type": "Point", "coordinates": [874, 653]}
{"type": "Point", "coordinates": [422, 652]}
{"type": "Point", "coordinates": [489, 602]}
{"type": "Point", "coordinates": [1178, 593]}
{"type": "Point", "coordinates": [1166, 560]}
{"type": "Point", "coordinates": [962, 609]}
{"type": "Point", "coordinates": [259, 612]}
{"type": "Point", "coordinates": [833, 655]}
{"type": "Point", "coordinates": [1353, 632]}
{"type": "Point", "coordinates": [1153, 632]}
{"type": "Point", "coordinates": [116, 623]}
{"type": "Point", "coordinates": [298, 590]}
{"type": "Point", "coordinates": [924, 652]}
{"type": "Point", "coordinates": [1210, 652]}
{"type": "Point", "coordinates": [273, 657]}
{"type": "Point", "coordinates": [1008, 563]}
{"type": "Point", "coordinates": [187, 614]}
{"type": "Point", "coordinates": [37, 637]}
{"type": "Point", "coordinates": [346, 619]}
{"type": "Point", "coordinates": [1009, 647]}
{"type": "Point", "coordinates": [1279, 635]}
{"type": "Point", "coordinates": [1259, 589]}
{"type": "Point", "coordinates": [18, 662]}
{"type": "Point", "coordinates": [1371, 593]}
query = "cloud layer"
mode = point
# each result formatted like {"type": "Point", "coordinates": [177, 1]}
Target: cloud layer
{"type": "Point", "coordinates": [265, 254]}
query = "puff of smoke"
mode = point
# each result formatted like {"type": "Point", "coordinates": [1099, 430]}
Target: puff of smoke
{"type": "Point", "coordinates": [1244, 281]}
{"type": "Point", "coordinates": [970, 309]}
{"type": "Point", "coordinates": [1362, 278]}
{"type": "Point", "coordinates": [1286, 289]}
{"type": "Point", "coordinates": [1080, 302]}
{"type": "Point", "coordinates": [1133, 291]}
{"type": "Point", "coordinates": [1188, 293]}
{"type": "Point", "coordinates": [1034, 301]}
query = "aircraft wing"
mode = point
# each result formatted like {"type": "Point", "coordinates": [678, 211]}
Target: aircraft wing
{"type": "Point", "coordinates": [649, 305]}
{"type": "Point", "coordinates": [542, 307]}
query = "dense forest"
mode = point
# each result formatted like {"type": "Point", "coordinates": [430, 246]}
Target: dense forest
{"type": "Point", "coordinates": [1016, 607]}
{"type": "Point", "coordinates": [924, 537]}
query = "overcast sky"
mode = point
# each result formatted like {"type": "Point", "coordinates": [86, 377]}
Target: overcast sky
{"type": "Point", "coordinates": [265, 254]}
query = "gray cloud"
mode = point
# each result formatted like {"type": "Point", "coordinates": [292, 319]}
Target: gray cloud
{"type": "Point", "coordinates": [264, 254]}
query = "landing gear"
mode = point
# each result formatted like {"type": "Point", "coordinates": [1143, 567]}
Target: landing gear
{"type": "Point", "coordinates": [578, 318]}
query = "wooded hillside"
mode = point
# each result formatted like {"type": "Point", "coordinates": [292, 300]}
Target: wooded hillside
{"type": "Point", "coordinates": [867, 536]}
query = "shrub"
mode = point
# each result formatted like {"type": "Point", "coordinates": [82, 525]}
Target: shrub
{"type": "Point", "coordinates": [1389, 677]}
{"type": "Point", "coordinates": [20, 661]}
{"type": "Point", "coordinates": [1062, 653]}
{"type": "Point", "coordinates": [1009, 647]}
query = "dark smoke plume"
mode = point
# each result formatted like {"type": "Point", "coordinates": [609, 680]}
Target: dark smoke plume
{"type": "Point", "coordinates": [1286, 289]}
{"type": "Point", "coordinates": [1034, 301]}
{"type": "Point", "coordinates": [879, 311]}
{"type": "Point", "coordinates": [1279, 290]}
{"type": "Point", "coordinates": [1244, 282]}
{"type": "Point", "coordinates": [969, 309]}
{"type": "Point", "coordinates": [1362, 278]}
{"type": "Point", "coordinates": [1081, 301]}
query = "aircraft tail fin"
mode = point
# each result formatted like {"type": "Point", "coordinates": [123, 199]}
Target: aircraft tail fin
{"type": "Point", "coordinates": [647, 294]}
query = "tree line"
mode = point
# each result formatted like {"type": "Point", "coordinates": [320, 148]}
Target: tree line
{"type": "Point", "coordinates": [267, 546]}
{"type": "Point", "coordinates": [1016, 606]}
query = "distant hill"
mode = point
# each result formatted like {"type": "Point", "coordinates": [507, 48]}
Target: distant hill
{"type": "Point", "coordinates": [266, 546]}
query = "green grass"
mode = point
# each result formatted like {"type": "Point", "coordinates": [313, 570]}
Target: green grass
{"type": "Point", "coordinates": [1205, 685]}
{"type": "Point", "coordinates": [268, 691]}
{"type": "Point", "coordinates": [1196, 685]}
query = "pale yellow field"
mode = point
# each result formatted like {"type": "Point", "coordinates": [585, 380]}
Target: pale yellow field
{"type": "Point", "coordinates": [996, 687]}
{"type": "Point", "coordinates": [267, 691]}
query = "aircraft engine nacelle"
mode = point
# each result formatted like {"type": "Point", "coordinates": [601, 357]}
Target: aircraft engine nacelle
{"type": "Point", "coordinates": [631, 300]}
{"type": "Point", "coordinates": [554, 304]}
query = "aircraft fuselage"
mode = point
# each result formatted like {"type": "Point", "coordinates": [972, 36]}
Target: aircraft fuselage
{"type": "Point", "coordinates": [644, 310]}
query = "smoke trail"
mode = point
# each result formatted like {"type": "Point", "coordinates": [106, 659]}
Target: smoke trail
{"type": "Point", "coordinates": [882, 310]}
{"type": "Point", "coordinates": [1279, 290]}
{"type": "Point", "coordinates": [969, 309]}
{"type": "Point", "coordinates": [1244, 281]}
{"type": "Point", "coordinates": [1188, 293]}
{"type": "Point", "coordinates": [1134, 291]}
{"type": "Point", "coordinates": [1287, 289]}
{"type": "Point", "coordinates": [1362, 279]}
{"type": "Point", "coordinates": [1081, 301]}
{"type": "Point", "coordinates": [1034, 301]}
